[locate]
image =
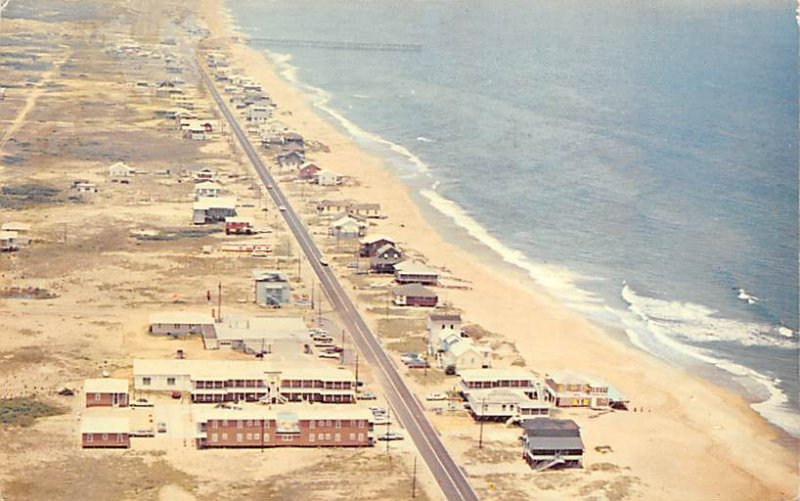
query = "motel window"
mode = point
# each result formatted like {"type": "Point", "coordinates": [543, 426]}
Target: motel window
{"type": "Point", "coordinates": [89, 437]}
{"type": "Point", "coordinates": [239, 423]}
{"type": "Point", "coordinates": [321, 423]}
{"type": "Point", "coordinates": [146, 381]}
{"type": "Point", "coordinates": [105, 436]}
{"type": "Point", "coordinates": [170, 381]}
{"type": "Point", "coordinates": [311, 437]}
{"type": "Point", "coordinates": [119, 437]}
{"type": "Point", "coordinates": [97, 396]}
{"type": "Point", "coordinates": [224, 423]}
{"type": "Point", "coordinates": [266, 424]}
{"type": "Point", "coordinates": [320, 436]}
{"type": "Point", "coordinates": [214, 437]}
{"type": "Point", "coordinates": [337, 437]}
{"type": "Point", "coordinates": [338, 423]}
{"type": "Point", "coordinates": [239, 437]}
{"type": "Point", "coordinates": [361, 424]}
{"type": "Point", "coordinates": [224, 436]}
{"type": "Point", "coordinates": [352, 436]}
{"type": "Point", "coordinates": [311, 423]}
{"type": "Point", "coordinates": [249, 437]}
{"type": "Point", "coordinates": [249, 423]}
{"type": "Point", "coordinates": [328, 423]}
{"type": "Point", "coordinates": [266, 437]}
{"type": "Point", "coordinates": [287, 438]}
{"type": "Point", "coordinates": [360, 437]}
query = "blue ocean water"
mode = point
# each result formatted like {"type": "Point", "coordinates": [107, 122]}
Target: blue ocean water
{"type": "Point", "coordinates": [639, 160]}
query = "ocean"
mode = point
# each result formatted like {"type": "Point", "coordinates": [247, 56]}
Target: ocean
{"type": "Point", "coordinates": [639, 160]}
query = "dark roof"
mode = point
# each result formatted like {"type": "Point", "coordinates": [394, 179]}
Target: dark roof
{"type": "Point", "coordinates": [547, 427]}
{"type": "Point", "coordinates": [555, 443]}
{"type": "Point", "coordinates": [449, 317]}
{"type": "Point", "coordinates": [414, 290]}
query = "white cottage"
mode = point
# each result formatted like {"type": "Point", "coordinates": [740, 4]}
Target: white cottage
{"type": "Point", "coordinates": [120, 169]}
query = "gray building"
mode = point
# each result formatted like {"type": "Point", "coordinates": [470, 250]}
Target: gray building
{"type": "Point", "coordinates": [552, 443]}
{"type": "Point", "coordinates": [272, 288]}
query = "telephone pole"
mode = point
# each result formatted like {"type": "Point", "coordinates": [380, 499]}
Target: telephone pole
{"type": "Point", "coordinates": [219, 302]}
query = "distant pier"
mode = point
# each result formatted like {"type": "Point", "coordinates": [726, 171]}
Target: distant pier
{"type": "Point", "coordinates": [324, 44]}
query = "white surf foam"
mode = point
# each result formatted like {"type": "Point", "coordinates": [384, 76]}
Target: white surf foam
{"type": "Point", "coordinates": [673, 325]}
{"type": "Point", "coordinates": [424, 139]}
{"type": "Point", "coordinates": [697, 323]}
{"type": "Point", "coordinates": [747, 297]}
{"type": "Point", "coordinates": [321, 98]}
{"type": "Point", "coordinates": [558, 280]}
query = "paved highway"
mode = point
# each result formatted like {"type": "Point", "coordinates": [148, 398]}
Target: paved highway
{"type": "Point", "coordinates": [449, 476]}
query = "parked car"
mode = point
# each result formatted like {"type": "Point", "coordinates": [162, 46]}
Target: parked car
{"type": "Point", "coordinates": [328, 354]}
{"type": "Point", "coordinates": [162, 427]}
{"type": "Point", "coordinates": [335, 349]}
{"type": "Point", "coordinates": [367, 395]}
{"type": "Point", "coordinates": [390, 435]}
{"type": "Point", "coordinates": [141, 402]}
{"type": "Point", "coordinates": [381, 419]}
{"type": "Point", "coordinates": [377, 410]}
{"type": "Point", "coordinates": [436, 396]}
{"type": "Point", "coordinates": [176, 395]}
{"type": "Point", "coordinates": [418, 364]}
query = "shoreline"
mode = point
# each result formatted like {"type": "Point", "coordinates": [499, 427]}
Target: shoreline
{"type": "Point", "coordinates": [636, 373]}
{"type": "Point", "coordinates": [618, 317]}
{"type": "Point", "coordinates": [758, 390]}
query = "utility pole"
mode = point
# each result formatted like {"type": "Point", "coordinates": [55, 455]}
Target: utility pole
{"type": "Point", "coordinates": [219, 302]}
{"type": "Point", "coordinates": [356, 372]}
{"type": "Point", "coordinates": [319, 307]}
{"type": "Point", "coordinates": [483, 415]}
{"type": "Point", "coordinates": [414, 480]}
{"type": "Point", "coordinates": [341, 356]}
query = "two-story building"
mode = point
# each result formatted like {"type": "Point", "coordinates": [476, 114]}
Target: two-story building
{"type": "Point", "coordinates": [573, 389]}
{"type": "Point", "coordinates": [272, 288]}
{"type": "Point", "coordinates": [552, 443]}
{"type": "Point", "coordinates": [290, 426]}
{"type": "Point", "coordinates": [243, 380]}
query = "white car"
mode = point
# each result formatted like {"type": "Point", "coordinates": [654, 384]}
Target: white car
{"type": "Point", "coordinates": [436, 396]}
{"type": "Point", "coordinates": [381, 420]}
{"type": "Point", "coordinates": [327, 354]}
{"type": "Point", "coordinates": [392, 435]}
{"type": "Point", "coordinates": [282, 208]}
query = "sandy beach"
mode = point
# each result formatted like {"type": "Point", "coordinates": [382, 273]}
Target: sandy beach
{"type": "Point", "coordinates": [75, 302]}
{"type": "Point", "coordinates": [691, 433]}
